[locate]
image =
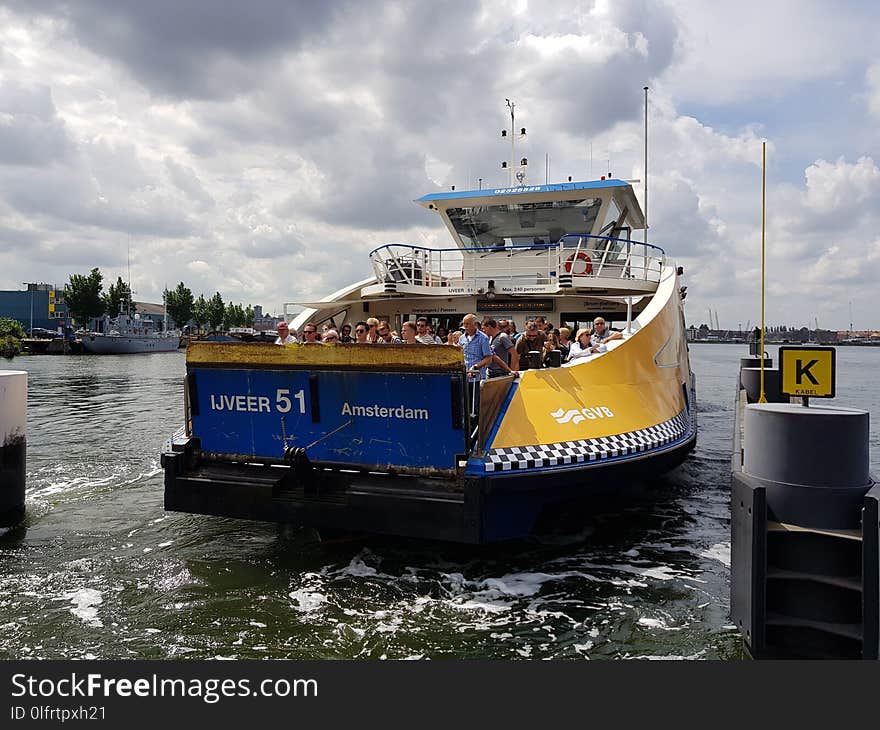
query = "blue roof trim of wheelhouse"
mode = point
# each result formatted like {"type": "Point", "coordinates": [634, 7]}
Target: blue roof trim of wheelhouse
{"type": "Point", "coordinates": [524, 190]}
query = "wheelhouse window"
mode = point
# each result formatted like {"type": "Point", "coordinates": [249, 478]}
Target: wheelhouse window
{"type": "Point", "coordinates": [523, 224]}
{"type": "Point", "coordinates": [611, 217]}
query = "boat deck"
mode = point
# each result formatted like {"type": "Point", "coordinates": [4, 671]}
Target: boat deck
{"type": "Point", "coordinates": [575, 263]}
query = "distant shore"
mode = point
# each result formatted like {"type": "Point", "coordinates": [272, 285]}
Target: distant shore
{"type": "Point", "coordinates": [785, 342]}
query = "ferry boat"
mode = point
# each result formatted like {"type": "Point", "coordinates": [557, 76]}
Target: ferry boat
{"type": "Point", "coordinates": [386, 439]}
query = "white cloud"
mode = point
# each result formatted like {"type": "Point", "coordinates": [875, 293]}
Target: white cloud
{"type": "Point", "coordinates": [729, 52]}
{"type": "Point", "coordinates": [842, 189]}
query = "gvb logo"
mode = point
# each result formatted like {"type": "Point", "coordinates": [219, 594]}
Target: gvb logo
{"type": "Point", "coordinates": [563, 416]}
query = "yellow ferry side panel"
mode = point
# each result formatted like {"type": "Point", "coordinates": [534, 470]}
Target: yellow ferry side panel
{"type": "Point", "coordinates": [620, 391]}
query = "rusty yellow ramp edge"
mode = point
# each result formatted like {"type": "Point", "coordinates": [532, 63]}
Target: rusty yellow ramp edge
{"type": "Point", "coordinates": [357, 357]}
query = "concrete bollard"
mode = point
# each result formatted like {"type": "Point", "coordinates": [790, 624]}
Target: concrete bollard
{"type": "Point", "coordinates": [13, 437]}
{"type": "Point", "coordinates": [814, 462]}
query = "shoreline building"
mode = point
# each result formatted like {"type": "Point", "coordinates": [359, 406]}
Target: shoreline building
{"type": "Point", "coordinates": [265, 322]}
{"type": "Point", "coordinates": [40, 305]}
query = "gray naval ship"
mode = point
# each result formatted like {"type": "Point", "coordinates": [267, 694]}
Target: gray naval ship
{"type": "Point", "coordinates": [127, 334]}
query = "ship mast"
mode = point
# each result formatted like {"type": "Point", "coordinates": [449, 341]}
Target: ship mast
{"type": "Point", "coordinates": [520, 172]}
{"type": "Point", "coordinates": [646, 165]}
{"type": "Point", "coordinates": [129, 279]}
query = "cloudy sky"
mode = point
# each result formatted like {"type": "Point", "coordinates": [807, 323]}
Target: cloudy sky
{"type": "Point", "coordinates": [262, 149]}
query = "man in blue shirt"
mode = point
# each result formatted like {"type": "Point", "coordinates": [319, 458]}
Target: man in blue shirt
{"type": "Point", "coordinates": [477, 355]}
{"type": "Point", "coordinates": [477, 350]}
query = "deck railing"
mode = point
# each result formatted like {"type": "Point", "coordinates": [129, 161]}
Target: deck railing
{"type": "Point", "coordinates": [576, 260]}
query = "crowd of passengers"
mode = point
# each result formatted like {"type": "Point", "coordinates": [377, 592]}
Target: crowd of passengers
{"type": "Point", "coordinates": [492, 348]}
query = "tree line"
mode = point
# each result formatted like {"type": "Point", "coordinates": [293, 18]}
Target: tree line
{"type": "Point", "coordinates": [11, 335]}
{"type": "Point", "coordinates": [86, 299]}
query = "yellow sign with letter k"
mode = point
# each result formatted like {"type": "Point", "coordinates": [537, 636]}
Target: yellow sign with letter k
{"type": "Point", "coordinates": [807, 371]}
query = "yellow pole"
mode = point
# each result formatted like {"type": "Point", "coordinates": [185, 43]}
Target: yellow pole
{"type": "Point", "coordinates": [763, 398]}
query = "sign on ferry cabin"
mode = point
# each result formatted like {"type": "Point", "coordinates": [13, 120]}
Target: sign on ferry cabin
{"type": "Point", "coordinates": [807, 371]}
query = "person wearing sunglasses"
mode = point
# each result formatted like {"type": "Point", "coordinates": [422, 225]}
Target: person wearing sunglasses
{"type": "Point", "coordinates": [345, 334]}
{"type": "Point", "coordinates": [581, 346]}
{"type": "Point", "coordinates": [310, 334]}
{"type": "Point", "coordinates": [508, 327]}
{"type": "Point", "coordinates": [330, 337]}
{"type": "Point", "coordinates": [360, 333]}
{"type": "Point", "coordinates": [386, 336]}
{"type": "Point", "coordinates": [532, 340]}
{"type": "Point", "coordinates": [601, 335]}
{"type": "Point", "coordinates": [424, 334]}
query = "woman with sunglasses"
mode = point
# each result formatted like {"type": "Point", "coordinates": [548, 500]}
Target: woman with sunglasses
{"type": "Point", "coordinates": [345, 334]}
{"type": "Point", "coordinates": [581, 346]}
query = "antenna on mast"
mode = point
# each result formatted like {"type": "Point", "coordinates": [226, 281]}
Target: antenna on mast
{"type": "Point", "coordinates": [520, 173]}
{"type": "Point", "coordinates": [129, 277]}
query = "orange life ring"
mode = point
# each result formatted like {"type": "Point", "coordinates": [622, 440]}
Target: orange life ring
{"type": "Point", "coordinates": [580, 256]}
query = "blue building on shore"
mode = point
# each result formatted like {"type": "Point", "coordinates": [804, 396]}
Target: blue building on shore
{"type": "Point", "coordinates": [40, 305]}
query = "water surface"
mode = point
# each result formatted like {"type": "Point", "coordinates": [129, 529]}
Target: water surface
{"type": "Point", "coordinates": [100, 570]}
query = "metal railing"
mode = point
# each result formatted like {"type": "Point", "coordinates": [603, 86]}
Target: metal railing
{"type": "Point", "coordinates": [573, 261]}
{"type": "Point", "coordinates": [612, 258]}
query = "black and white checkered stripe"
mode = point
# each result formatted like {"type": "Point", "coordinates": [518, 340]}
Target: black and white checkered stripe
{"type": "Point", "coordinates": [587, 450]}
